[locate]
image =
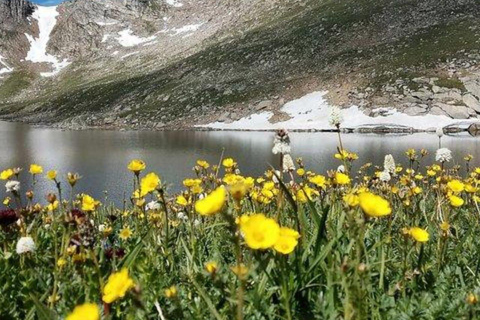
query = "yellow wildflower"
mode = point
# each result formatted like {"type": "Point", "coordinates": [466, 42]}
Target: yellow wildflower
{"type": "Point", "coordinates": [87, 311]}
{"type": "Point", "coordinates": [88, 203]}
{"type": "Point", "coordinates": [351, 199]}
{"type": "Point", "coordinates": [318, 180]}
{"type": "Point", "coordinates": [125, 233]}
{"type": "Point", "coordinates": [202, 163]}
{"type": "Point", "coordinates": [149, 183]}
{"type": "Point", "coordinates": [52, 206]}
{"type": "Point", "coordinates": [445, 226]}
{"type": "Point", "coordinates": [36, 169]}
{"type": "Point", "coordinates": [136, 166]}
{"type": "Point", "coordinates": [472, 299]}
{"type": "Point", "coordinates": [6, 174]}
{"type": "Point", "coordinates": [287, 240]}
{"type": "Point", "coordinates": [301, 172]}
{"type": "Point", "coordinates": [456, 186]}
{"type": "Point", "coordinates": [228, 163]}
{"type": "Point", "coordinates": [419, 234]}
{"type": "Point", "coordinates": [171, 292]}
{"type": "Point", "coordinates": [239, 270]}
{"type": "Point", "coordinates": [212, 203]}
{"type": "Point", "coordinates": [373, 205]}
{"type": "Point", "coordinates": [117, 286]}
{"type": "Point", "coordinates": [61, 262]}
{"type": "Point", "coordinates": [211, 267]}
{"type": "Point", "coordinates": [456, 201]}
{"type": "Point", "coordinates": [341, 178]}
{"type": "Point", "coordinates": [191, 182]}
{"type": "Point", "coordinates": [470, 188]}
{"type": "Point", "coordinates": [260, 232]}
{"type": "Point", "coordinates": [181, 200]}
{"type": "Point", "coordinates": [52, 174]}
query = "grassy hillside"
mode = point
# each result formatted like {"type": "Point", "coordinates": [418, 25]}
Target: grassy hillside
{"type": "Point", "coordinates": [324, 41]}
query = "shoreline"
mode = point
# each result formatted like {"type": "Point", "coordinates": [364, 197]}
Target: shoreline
{"type": "Point", "coordinates": [385, 129]}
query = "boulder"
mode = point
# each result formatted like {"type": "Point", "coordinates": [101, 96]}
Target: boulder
{"type": "Point", "coordinates": [453, 94]}
{"type": "Point", "coordinates": [454, 111]}
{"type": "Point", "coordinates": [471, 102]}
{"type": "Point", "coordinates": [263, 104]}
{"type": "Point", "coordinates": [473, 87]}
{"type": "Point", "coordinates": [423, 95]}
{"type": "Point", "coordinates": [415, 110]}
{"type": "Point", "coordinates": [224, 117]}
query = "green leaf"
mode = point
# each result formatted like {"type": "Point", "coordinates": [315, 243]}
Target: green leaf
{"type": "Point", "coordinates": [130, 258]}
{"type": "Point", "coordinates": [43, 312]}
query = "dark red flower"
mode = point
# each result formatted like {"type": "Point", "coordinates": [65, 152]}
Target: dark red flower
{"type": "Point", "coordinates": [7, 217]}
{"type": "Point", "coordinates": [119, 253]}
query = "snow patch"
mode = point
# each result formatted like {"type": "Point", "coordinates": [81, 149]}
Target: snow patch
{"type": "Point", "coordinates": [128, 55]}
{"type": "Point", "coordinates": [127, 39]}
{"type": "Point", "coordinates": [174, 3]}
{"type": "Point", "coordinates": [312, 111]}
{"type": "Point", "coordinates": [105, 37]}
{"type": "Point", "coordinates": [187, 28]}
{"type": "Point", "coordinates": [6, 68]}
{"type": "Point", "coordinates": [47, 18]}
{"type": "Point", "coordinates": [106, 23]}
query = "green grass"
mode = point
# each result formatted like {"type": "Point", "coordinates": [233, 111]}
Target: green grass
{"type": "Point", "coordinates": [451, 84]}
{"type": "Point", "coordinates": [14, 84]}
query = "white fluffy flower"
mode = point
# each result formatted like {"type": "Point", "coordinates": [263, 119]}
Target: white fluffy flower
{"type": "Point", "coordinates": [288, 164]}
{"type": "Point", "coordinates": [101, 227]}
{"type": "Point", "coordinates": [152, 205]}
{"type": "Point", "coordinates": [336, 116]}
{"type": "Point", "coordinates": [280, 146]}
{"type": "Point", "coordinates": [439, 132]}
{"type": "Point", "coordinates": [341, 168]}
{"type": "Point", "coordinates": [12, 186]}
{"type": "Point", "coordinates": [443, 155]}
{"type": "Point", "coordinates": [196, 222]}
{"type": "Point", "coordinates": [389, 164]}
{"type": "Point", "coordinates": [281, 142]}
{"type": "Point", "coordinates": [385, 176]}
{"type": "Point", "coordinates": [182, 216]}
{"type": "Point", "coordinates": [25, 244]}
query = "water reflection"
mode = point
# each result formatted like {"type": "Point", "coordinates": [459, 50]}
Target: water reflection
{"type": "Point", "coordinates": [101, 156]}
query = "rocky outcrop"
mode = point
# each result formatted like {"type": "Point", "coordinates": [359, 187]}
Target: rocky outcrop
{"type": "Point", "coordinates": [15, 11]}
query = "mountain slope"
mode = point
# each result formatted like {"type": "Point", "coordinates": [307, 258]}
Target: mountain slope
{"type": "Point", "coordinates": [153, 64]}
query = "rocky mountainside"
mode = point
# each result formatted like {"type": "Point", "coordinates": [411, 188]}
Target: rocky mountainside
{"type": "Point", "coordinates": [175, 63]}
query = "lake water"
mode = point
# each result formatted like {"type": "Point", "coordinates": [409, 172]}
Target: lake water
{"type": "Point", "coordinates": [101, 157]}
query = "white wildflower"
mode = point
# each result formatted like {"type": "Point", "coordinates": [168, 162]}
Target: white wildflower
{"type": "Point", "coordinates": [196, 222]}
{"type": "Point", "coordinates": [341, 168]}
{"type": "Point", "coordinates": [443, 155]}
{"type": "Point", "coordinates": [385, 176]}
{"type": "Point", "coordinates": [152, 205]}
{"type": "Point", "coordinates": [439, 132]}
{"type": "Point", "coordinates": [288, 164]}
{"type": "Point", "coordinates": [101, 227]}
{"type": "Point", "coordinates": [336, 117]}
{"type": "Point", "coordinates": [12, 186]}
{"type": "Point", "coordinates": [281, 142]}
{"type": "Point", "coordinates": [389, 164]}
{"type": "Point", "coordinates": [182, 216]}
{"type": "Point", "coordinates": [25, 244]}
